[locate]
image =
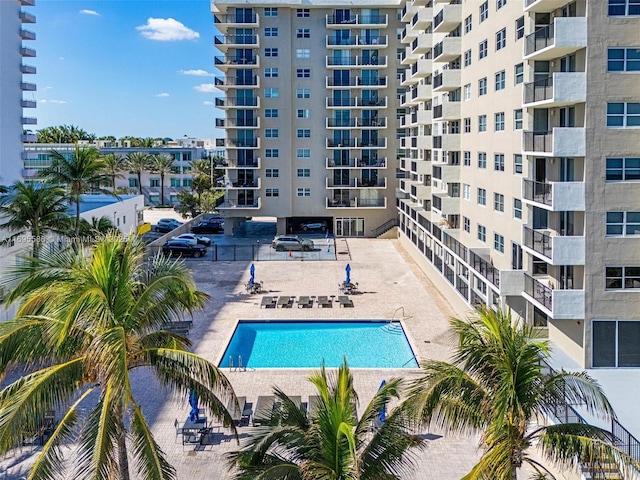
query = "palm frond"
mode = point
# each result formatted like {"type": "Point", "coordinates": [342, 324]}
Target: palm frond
{"type": "Point", "coordinates": [370, 417]}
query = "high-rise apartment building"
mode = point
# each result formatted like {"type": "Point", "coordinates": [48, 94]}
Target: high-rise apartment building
{"type": "Point", "coordinates": [13, 88]}
{"type": "Point", "coordinates": [527, 194]}
{"type": "Point", "coordinates": [310, 103]}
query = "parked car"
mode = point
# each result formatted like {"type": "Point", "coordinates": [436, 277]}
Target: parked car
{"type": "Point", "coordinates": [291, 242]}
{"type": "Point", "coordinates": [322, 226]}
{"type": "Point", "coordinates": [183, 248]}
{"type": "Point", "coordinates": [210, 225]}
{"type": "Point", "coordinates": [165, 225]}
{"type": "Point", "coordinates": [193, 239]}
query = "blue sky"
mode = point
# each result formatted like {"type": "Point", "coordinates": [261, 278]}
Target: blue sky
{"type": "Point", "coordinates": [135, 67]}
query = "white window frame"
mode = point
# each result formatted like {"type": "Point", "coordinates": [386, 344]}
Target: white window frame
{"type": "Point", "coordinates": [501, 39]}
{"type": "Point", "coordinates": [627, 228]}
{"type": "Point", "coordinates": [303, 53]}
{"type": "Point", "coordinates": [484, 11]}
{"type": "Point", "coordinates": [498, 124]}
{"type": "Point", "coordinates": [483, 49]}
{"type": "Point", "coordinates": [482, 123]}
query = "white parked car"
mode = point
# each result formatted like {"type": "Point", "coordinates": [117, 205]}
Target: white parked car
{"type": "Point", "coordinates": [193, 239]}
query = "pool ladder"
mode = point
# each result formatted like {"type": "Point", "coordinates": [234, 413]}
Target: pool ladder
{"type": "Point", "coordinates": [239, 368]}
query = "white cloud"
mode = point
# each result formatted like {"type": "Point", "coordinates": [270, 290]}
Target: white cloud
{"type": "Point", "coordinates": [166, 30]}
{"type": "Point", "coordinates": [207, 88]}
{"type": "Point", "coordinates": [60, 58]}
{"type": "Point", "coordinates": [89, 12]}
{"type": "Point", "coordinates": [196, 73]}
{"type": "Point", "coordinates": [47, 88]}
{"type": "Point", "coordinates": [207, 102]}
{"type": "Point", "coordinates": [60, 102]}
{"type": "Point", "coordinates": [162, 95]}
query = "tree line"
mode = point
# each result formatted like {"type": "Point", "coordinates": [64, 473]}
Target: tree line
{"type": "Point", "coordinates": [74, 134]}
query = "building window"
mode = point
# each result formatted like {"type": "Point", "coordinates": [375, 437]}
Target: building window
{"type": "Point", "coordinates": [482, 86]}
{"type": "Point", "coordinates": [498, 162]}
{"type": "Point", "coordinates": [154, 182]}
{"type": "Point", "coordinates": [304, 172]}
{"type": "Point", "coordinates": [519, 73]}
{"type": "Point", "coordinates": [623, 224]}
{"type": "Point", "coordinates": [484, 11]}
{"type": "Point", "coordinates": [622, 278]}
{"type": "Point", "coordinates": [468, 24]}
{"type": "Point", "coordinates": [622, 169]}
{"type": "Point", "coordinates": [517, 119]}
{"type": "Point", "coordinates": [466, 224]}
{"type": "Point", "coordinates": [270, 12]}
{"type": "Point", "coordinates": [303, 93]}
{"type": "Point", "coordinates": [271, 93]}
{"type": "Point", "coordinates": [270, 52]}
{"type": "Point", "coordinates": [482, 233]}
{"type": "Point", "coordinates": [517, 163]}
{"type": "Point", "coordinates": [621, 8]}
{"type": "Point", "coordinates": [500, 4]}
{"type": "Point", "coordinates": [303, 12]}
{"type": "Point", "coordinates": [271, 113]}
{"type": "Point", "coordinates": [466, 191]}
{"type": "Point", "coordinates": [483, 49]}
{"type": "Point", "coordinates": [133, 182]}
{"type": "Point", "coordinates": [482, 160]}
{"type": "Point", "coordinates": [303, 72]}
{"type": "Point", "coordinates": [272, 172]}
{"type": "Point", "coordinates": [482, 123]}
{"type": "Point", "coordinates": [501, 39]}
{"type": "Point", "coordinates": [271, 32]}
{"type": "Point", "coordinates": [270, 72]}
{"type": "Point", "coordinates": [175, 182]}
{"type": "Point", "coordinates": [271, 133]}
{"type": "Point", "coordinates": [467, 159]}
{"type": "Point", "coordinates": [498, 202]}
{"type": "Point", "coordinates": [517, 208]}
{"type": "Point", "coordinates": [272, 192]}
{"type": "Point", "coordinates": [615, 343]}
{"type": "Point", "coordinates": [303, 192]}
{"type": "Point", "coordinates": [303, 113]}
{"type": "Point", "coordinates": [303, 153]}
{"type": "Point", "coordinates": [482, 196]}
{"type": "Point", "coordinates": [498, 242]}
{"type": "Point", "coordinates": [304, 133]}
{"type": "Point", "coordinates": [623, 59]}
{"type": "Point", "coordinates": [467, 92]}
{"type": "Point", "coordinates": [623, 115]}
{"type": "Point", "coordinates": [467, 58]}
{"type": "Point", "coordinates": [501, 80]}
{"type": "Point", "coordinates": [303, 33]}
{"type": "Point", "coordinates": [272, 153]}
{"type": "Point", "coordinates": [467, 125]}
{"type": "Point", "coordinates": [519, 28]}
{"type": "Point", "coordinates": [303, 53]}
{"type": "Point", "coordinates": [499, 122]}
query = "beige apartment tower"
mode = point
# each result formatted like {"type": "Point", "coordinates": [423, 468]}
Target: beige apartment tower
{"type": "Point", "coordinates": [310, 112]}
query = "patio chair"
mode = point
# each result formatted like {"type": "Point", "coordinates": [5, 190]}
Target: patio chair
{"type": "Point", "coordinates": [324, 302]}
{"type": "Point", "coordinates": [264, 410]}
{"type": "Point", "coordinates": [305, 302]}
{"type": "Point", "coordinates": [268, 302]}
{"type": "Point", "coordinates": [285, 302]}
{"type": "Point", "coordinates": [178, 428]}
{"type": "Point", "coordinates": [345, 301]}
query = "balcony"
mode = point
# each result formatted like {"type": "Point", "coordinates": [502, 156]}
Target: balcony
{"type": "Point", "coordinates": [566, 35]}
{"type": "Point", "coordinates": [447, 50]}
{"type": "Point", "coordinates": [224, 42]}
{"type": "Point", "coordinates": [356, 61]}
{"type": "Point", "coordinates": [355, 202]}
{"type": "Point", "coordinates": [371, 183]}
{"type": "Point", "coordinates": [337, 123]}
{"type": "Point", "coordinates": [418, 94]}
{"type": "Point", "coordinates": [562, 88]}
{"type": "Point", "coordinates": [421, 45]}
{"type": "Point", "coordinates": [28, 87]}
{"type": "Point", "coordinates": [246, 184]}
{"type": "Point", "coordinates": [344, 183]}
{"type": "Point", "coordinates": [446, 173]}
{"type": "Point", "coordinates": [555, 196]}
{"type": "Point", "coordinates": [422, 18]}
{"type": "Point", "coordinates": [235, 163]}
{"type": "Point", "coordinates": [543, 6]}
{"type": "Point", "coordinates": [558, 304]}
{"type": "Point", "coordinates": [560, 142]}
{"type": "Point", "coordinates": [365, 41]}
{"type": "Point", "coordinates": [237, 102]}
{"type": "Point", "coordinates": [241, 143]}
{"type": "Point", "coordinates": [341, 102]}
{"type": "Point", "coordinates": [28, 3]}
{"type": "Point", "coordinates": [238, 204]}
{"type": "Point", "coordinates": [26, 17]}
{"type": "Point", "coordinates": [356, 82]}
{"type": "Point", "coordinates": [342, 143]}
{"type": "Point", "coordinates": [29, 137]}
{"type": "Point", "coordinates": [28, 103]}
{"type": "Point", "coordinates": [445, 204]}
{"type": "Point", "coordinates": [557, 249]}
{"type": "Point", "coordinates": [447, 81]}
{"type": "Point", "coordinates": [224, 83]}
{"type": "Point", "coordinates": [447, 111]}
{"type": "Point", "coordinates": [448, 142]}
{"type": "Point", "coordinates": [351, 21]}
{"type": "Point", "coordinates": [27, 34]}
{"type": "Point", "coordinates": [371, 102]}
{"type": "Point", "coordinates": [225, 63]}
{"type": "Point", "coordinates": [27, 52]}
{"type": "Point", "coordinates": [27, 69]}
{"type": "Point", "coordinates": [29, 121]}
{"type": "Point", "coordinates": [447, 19]}
{"type": "Point", "coordinates": [357, 163]}
{"type": "Point", "coordinates": [239, 20]}
{"type": "Point", "coordinates": [238, 123]}
{"type": "Point", "coordinates": [372, 143]}
{"type": "Point", "coordinates": [408, 11]}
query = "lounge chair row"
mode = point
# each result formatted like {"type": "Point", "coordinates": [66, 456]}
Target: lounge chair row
{"type": "Point", "coordinates": [323, 301]}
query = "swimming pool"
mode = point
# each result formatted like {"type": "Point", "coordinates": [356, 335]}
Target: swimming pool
{"type": "Point", "coordinates": [305, 344]}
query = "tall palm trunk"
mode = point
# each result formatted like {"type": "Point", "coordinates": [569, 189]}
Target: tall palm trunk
{"type": "Point", "coordinates": [140, 181]}
{"type": "Point", "coordinates": [123, 460]}
{"type": "Point", "coordinates": [77, 229]}
{"type": "Point", "coordinates": [161, 188]}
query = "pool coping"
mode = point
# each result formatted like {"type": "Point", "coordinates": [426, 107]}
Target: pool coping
{"type": "Point", "coordinates": [407, 335]}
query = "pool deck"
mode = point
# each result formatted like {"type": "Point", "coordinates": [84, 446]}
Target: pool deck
{"type": "Point", "coordinates": [388, 281]}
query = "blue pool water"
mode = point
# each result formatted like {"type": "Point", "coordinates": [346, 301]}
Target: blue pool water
{"type": "Point", "coordinates": [304, 344]}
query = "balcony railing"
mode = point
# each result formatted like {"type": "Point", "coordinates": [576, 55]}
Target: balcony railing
{"type": "Point", "coordinates": [342, 20]}
{"type": "Point", "coordinates": [538, 241]}
{"type": "Point", "coordinates": [538, 141]}
{"type": "Point", "coordinates": [341, 122]}
{"type": "Point", "coordinates": [333, 41]}
{"type": "Point", "coordinates": [236, 81]}
{"type": "Point", "coordinates": [237, 102]}
{"type": "Point", "coordinates": [541, 38]}
{"type": "Point", "coordinates": [27, 52]}
{"type": "Point", "coordinates": [539, 192]}
{"type": "Point", "coordinates": [239, 18]}
{"type": "Point", "coordinates": [242, 142]}
{"type": "Point", "coordinates": [27, 17]}
{"type": "Point", "coordinates": [438, 19]}
{"type": "Point", "coordinates": [236, 39]}
{"type": "Point", "coordinates": [539, 90]}
{"type": "Point", "coordinates": [484, 268]}
{"type": "Point", "coordinates": [538, 291]}
{"type": "Point", "coordinates": [225, 60]}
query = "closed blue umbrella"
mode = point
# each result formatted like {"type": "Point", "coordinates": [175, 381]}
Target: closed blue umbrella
{"type": "Point", "coordinates": [382, 413]}
{"type": "Point", "coordinates": [348, 270]}
{"type": "Point", "coordinates": [193, 401]}
{"type": "Point", "coordinates": [252, 271]}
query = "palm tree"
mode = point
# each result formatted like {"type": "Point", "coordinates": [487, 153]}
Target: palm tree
{"type": "Point", "coordinates": [331, 443]}
{"type": "Point", "coordinates": [496, 385]}
{"type": "Point", "coordinates": [81, 173]}
{"type": "Point", "coordinates": [138, 162]}
{"type": "Point", "coordinates": [36, 209]}
{"type": "Point", "coordinates": [114, 164]}
{"type": "Point", "coordinates": [162, 165]}
{"type": "Point", "coordinates": [85, 321]}
{"type": "Point", "coordinates": [91, 232]}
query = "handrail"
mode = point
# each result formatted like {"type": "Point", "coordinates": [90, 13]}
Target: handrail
{"type": "Point", "coordinates": [388, 225]}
